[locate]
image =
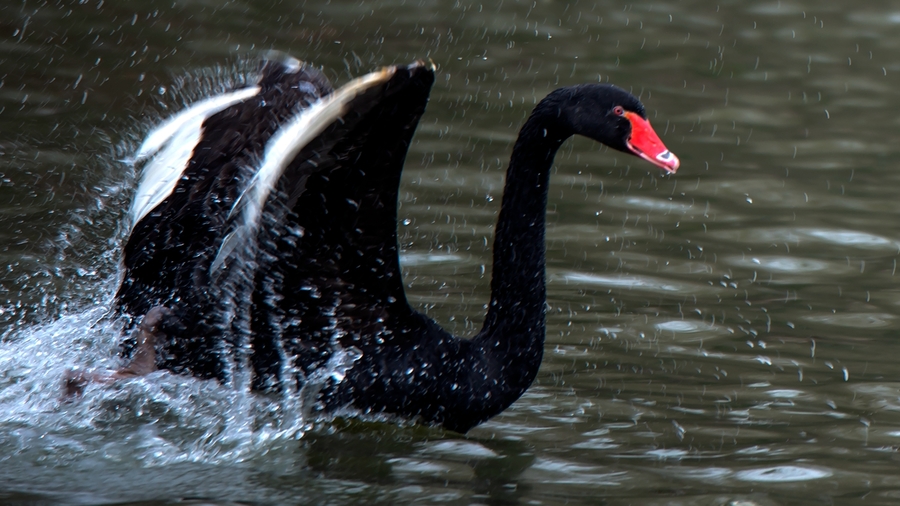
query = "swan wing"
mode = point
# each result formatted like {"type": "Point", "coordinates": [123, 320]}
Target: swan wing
{"type": "Point", "coordinates": [196, 164]}
{"type": "Point", "coordinates": [285, 211]}
{"type": "Point", "coordinates": [328, 265]}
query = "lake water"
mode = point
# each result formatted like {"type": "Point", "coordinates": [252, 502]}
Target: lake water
{"type": "Point", "coordinates": [724, 336]}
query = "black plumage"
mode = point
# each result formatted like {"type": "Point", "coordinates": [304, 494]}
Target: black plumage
{"type": "Point", "coordinates": [316, 277]}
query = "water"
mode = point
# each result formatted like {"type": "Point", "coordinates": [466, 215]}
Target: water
{"type": "Point", "coordinates": [723, 336]}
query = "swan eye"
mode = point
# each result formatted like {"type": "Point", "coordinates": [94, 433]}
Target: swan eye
{"type": "Point", "coordinates": [619, 110]}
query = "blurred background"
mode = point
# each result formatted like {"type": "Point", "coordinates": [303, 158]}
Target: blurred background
{"type": "Point", "coordinates": [725, 335]}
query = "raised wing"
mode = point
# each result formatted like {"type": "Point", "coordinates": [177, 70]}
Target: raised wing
{"type": "Point", "coordinates": [279, 226]}
{"type": "Point", "coordinates": [329, 272]}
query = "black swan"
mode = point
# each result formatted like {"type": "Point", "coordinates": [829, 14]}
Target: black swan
{"type": "Point", "coordinates": [263, 244]}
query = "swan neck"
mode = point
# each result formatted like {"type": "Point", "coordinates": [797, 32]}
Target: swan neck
{"type": "Point", "coordinates": [515, 322]}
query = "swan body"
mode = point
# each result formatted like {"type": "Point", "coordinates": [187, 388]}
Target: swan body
{"type": "Point", "coordinates": [265, 223]}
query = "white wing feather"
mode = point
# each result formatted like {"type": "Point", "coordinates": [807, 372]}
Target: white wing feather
{"type": "Point", "coordinates": [203, 108]}
{"type": "Point", "coordinates": [280, 152]}
{"type": "Point", "coordinates": [173, 142]}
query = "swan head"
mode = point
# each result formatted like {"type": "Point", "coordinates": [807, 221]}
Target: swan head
{"type": "Point", "coordinates": [612, 116]}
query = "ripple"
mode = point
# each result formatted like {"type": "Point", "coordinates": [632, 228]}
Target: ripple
{"type": "Point", "coordinates": [779, 474]}
{"type": "Point", "coordinates": [851, 238]}
{"type": "Point", "coordinates": [783, 264]}
{"type": "Point", "coordinates": [630, 282]}
{"type": "Point", "coordinates": [708, 473]}
{"type": "Point", "coordinates": [461, 449]}
{"type": "Point", "coordinates": [841, 237]}
{"type": "Point", "coordinates": [685, 326]}
{"type": "Point", "coordinates": [568, 473]}
{"type": "Point", "coordinates": [659, 205]}
{"type": "Point", "coordinates": [869, 320]}
{"type": "Point", "coordinates": [546, 464]}
{"type": "Point", "coordinates": [598, 443]}
{"type": "Point", "coordinates": [670, 453]}
{"type": "Point", "coordinates": [410, 259]}
{"type": "Point", "coordinates": [785, 393]}
{"type": "Point", "coordinates": [415, 466]}
{"type": "Point", "coordinates": [875, 18]}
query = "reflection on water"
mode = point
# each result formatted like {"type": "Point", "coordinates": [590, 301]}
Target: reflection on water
{"type": "Point", "coordinates": [723, 336]}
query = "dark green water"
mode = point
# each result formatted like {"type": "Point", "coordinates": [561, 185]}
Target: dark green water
{"type": "Point", "coordinates": [724, 336]}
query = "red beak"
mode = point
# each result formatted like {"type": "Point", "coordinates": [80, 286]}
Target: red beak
{"type": "Point", "coordinates": [646, 144]}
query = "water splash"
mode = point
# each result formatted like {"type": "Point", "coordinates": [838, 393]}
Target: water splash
{"type": "Point", "coordinates": [150, 421]}
{"type": "Point", "coordinates": [155, 420]}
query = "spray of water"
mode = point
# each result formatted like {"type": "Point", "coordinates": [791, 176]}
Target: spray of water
{"type": "Point", "coordinates": [154, 420]}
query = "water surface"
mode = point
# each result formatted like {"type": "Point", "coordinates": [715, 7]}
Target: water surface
{"type": "Point", "coordinates": [722, 336]}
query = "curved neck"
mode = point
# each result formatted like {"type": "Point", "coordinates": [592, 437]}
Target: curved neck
{"type": "Point", "coordinates": [514, 326]}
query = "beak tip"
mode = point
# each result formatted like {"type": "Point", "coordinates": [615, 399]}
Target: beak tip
{"type": "Point", "coordinates": [668, 161]}
{"type": "Point", "coordinates": [644, 143]}
{"type": "Point", "coordinates": [673, 167]}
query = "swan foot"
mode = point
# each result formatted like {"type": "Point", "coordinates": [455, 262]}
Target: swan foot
{"type": "Point", "coordinates": [143, 361]}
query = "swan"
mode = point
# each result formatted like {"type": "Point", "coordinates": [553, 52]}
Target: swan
{"type": "Point", "coordinates": [263, 244]}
